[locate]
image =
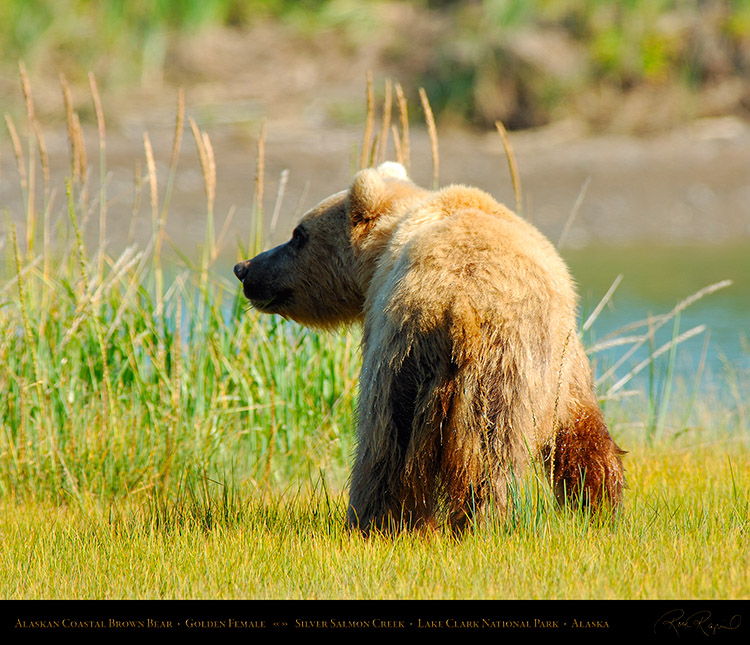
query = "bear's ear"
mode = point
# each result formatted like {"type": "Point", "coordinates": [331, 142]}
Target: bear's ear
{"type": "Point", "coordinates": [366, 196]}
{"type": "Point", "coordinates": [393, 170]}
{"type": "Point", "coordinates": [369, 195]}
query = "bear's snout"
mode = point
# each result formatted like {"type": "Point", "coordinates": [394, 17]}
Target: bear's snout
{"type": "Point", "coordinates": [260, 284]}
{"type": "Point", "coordinates": [240, 269]}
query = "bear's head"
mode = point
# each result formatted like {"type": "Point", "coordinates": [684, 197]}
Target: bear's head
{"type": "Point", "coordinates": [320, 276]}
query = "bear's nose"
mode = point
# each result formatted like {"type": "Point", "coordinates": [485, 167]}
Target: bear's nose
{"type": "Point", "coordinates": [240, 270]}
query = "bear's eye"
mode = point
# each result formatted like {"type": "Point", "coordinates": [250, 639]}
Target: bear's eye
{"type": "Point", "coordinates": [299, 236]}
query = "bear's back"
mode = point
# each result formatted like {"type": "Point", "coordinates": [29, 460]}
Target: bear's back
{"type": "Point", "coordinates": [460, 246]}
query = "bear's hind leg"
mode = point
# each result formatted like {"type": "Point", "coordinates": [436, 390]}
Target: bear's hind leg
{"type": "Point", "coordinates": [587, 463]}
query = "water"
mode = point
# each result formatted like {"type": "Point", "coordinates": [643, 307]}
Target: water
{"type": "Point", "coordinates": [655, 278]}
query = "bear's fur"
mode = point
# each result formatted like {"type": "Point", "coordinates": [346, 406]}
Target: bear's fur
{"type": "Point", "coordinates": [471, 362]}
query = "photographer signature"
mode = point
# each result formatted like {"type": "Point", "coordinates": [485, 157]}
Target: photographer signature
{"type": "Point", "coordinates": [678, 621]}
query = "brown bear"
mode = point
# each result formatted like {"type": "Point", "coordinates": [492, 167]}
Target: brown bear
{"type": "Point", "coordinates": [471, 362]}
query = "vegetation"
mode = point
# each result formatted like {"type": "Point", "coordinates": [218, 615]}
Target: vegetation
{"type": "Point", "coordinates": [157, 440]}
{"type": "Point", "coordinates": [683, 534]}
{"type": "Point", "coordinates": [525, 62]}
{"type": "Point", "coordinates": [121, 374]}
{"type": "Point", "coordinates": [119, 40]}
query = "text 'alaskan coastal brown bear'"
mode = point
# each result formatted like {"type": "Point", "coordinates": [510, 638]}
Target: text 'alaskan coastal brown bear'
{"type": "Point", "coordinates": [471, 362]}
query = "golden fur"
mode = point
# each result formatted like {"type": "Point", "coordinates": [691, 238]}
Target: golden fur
{"type": "Point", "coordinates": [471, 361]}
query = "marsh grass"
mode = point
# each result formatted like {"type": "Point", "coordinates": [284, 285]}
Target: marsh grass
{"type": "Point", "coordinates": [682, 534]}
{"type": "Point", "coordinates": [119, 373]}
{"type": "Point", "coordinates": [160, 440]}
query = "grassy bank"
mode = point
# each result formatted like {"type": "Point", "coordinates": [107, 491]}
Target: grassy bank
{"type": "Point", "coordinates": [157, 440]}
{"type": "Point", "coordinates": [523, 62]}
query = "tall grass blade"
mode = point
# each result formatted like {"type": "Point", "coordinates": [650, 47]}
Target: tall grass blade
{"type": "Point", "coordinates": [432, 131]}
{"type": "Point", "coordinates": [283, 179]}
{"type": "Point", "coordinates": [365, 158]}
{"type": "Point", "coordinates": [573, 214]}
{"type": "Point", "coordinates": [602, 303]}
{"type": "Point", "coordinates": [403, 148]}
{"type": "Point", "coordinates": [658, 322]}
{"type": "Point", "coordinates": [386, 123]}
{"type": "Point", "coordinates": [31, 173]}
{"type": "Point", "coordinates": [101, 128]}
{"type": "Point", "coordinates": [699, 329]}
{"type": "Point", "coordinates": [256, 244]}
{"type": "Point", "coordinates": [512, 165]}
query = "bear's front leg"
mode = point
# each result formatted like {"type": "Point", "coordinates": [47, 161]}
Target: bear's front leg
{"type": "Point", "coordinates": [379, 497]}
{"type": "Point", "coordinates": [370, 493]}
{"type": "Point", "coordinates": [394, 476]}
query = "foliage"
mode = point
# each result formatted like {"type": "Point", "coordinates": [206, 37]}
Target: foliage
{"type": "Point", "coordinates": [527, 62]}
{"type": "Point", "coordinates": [522, 62]}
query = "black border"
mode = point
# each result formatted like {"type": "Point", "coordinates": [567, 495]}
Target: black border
{"type": "Point", "coordinates": [268, 620]}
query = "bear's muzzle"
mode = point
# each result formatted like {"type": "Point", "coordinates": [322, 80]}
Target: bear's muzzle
{"type": "Point", "coordinates": [240, 269]}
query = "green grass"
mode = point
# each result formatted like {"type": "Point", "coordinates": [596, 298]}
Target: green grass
{"type": "Point", "coordinates": [682, 534]}
{"type": "Point", "coordinates": [157, 440]}
{"type": "Point", "coordinates": [103, 393]}
{"type": "Point", "coordinates": [120, 373]}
